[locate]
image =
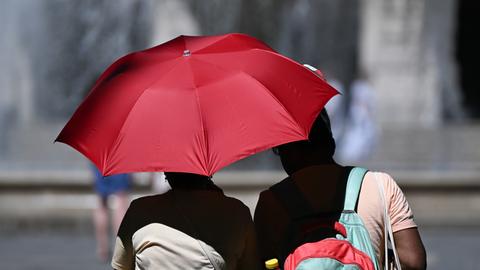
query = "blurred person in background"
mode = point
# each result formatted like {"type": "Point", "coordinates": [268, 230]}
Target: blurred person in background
{"type": "Point", "coordinates": [118, 188]}
{"type": "Point", "coordinates": [159, 183]}
{"type": "Point", "coordinates": [7, 121]}
{"type": "Point", "coordinates": [360, 132]}
{"type": "Point", "coordinates": [192, 226]}
{"type": "Point", "coordinates": [335, 109]}
{"type": "Point", "coordinates": [312, 169]}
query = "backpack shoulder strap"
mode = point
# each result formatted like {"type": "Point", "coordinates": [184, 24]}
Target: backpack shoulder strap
{"type": "Point", "coordinates": [354, 183]}
{"type": "Point", "coordinates": [291, 198]}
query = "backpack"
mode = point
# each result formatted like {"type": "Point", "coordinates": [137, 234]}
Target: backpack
{"type": "Point", "coordinates": [325, 240]}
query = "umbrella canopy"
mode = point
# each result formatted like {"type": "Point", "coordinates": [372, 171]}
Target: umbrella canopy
{"type": "Point", "coordinates": [195, 104]}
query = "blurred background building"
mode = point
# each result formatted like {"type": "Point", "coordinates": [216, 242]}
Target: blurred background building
{"type": "Point", "coordinates": [405, 68]}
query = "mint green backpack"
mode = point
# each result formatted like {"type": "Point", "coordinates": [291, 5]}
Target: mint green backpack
{"type": "Point", "coordinates": [319, 241]}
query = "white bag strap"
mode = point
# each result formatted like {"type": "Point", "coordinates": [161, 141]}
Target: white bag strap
{"type": "Point", "coordinates": [387, 227]}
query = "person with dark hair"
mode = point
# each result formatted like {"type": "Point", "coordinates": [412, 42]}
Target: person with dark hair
{"type": "Point", "coordinates": [322, 182]}
{"type": "Point", "coordinates": [192, 226]}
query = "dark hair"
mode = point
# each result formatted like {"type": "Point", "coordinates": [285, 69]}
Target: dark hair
{"type": "Point", "coordinates": [321, 134]}
{"type": "Point", "coordinates": [320, 138]}
{"type": "Point", "coordinates": [179, 180]}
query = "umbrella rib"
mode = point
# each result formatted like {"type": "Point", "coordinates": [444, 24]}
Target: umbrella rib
{"type": "Point", "coordinates": [296, 64]}
{"type": "Point", "coordinates": [115, 142]}
{"type": "Point", "coordinates": [206, 156]}
{"type": "Point", "coordinates": [259, 83]}
{"type": "Point", "coordinates": [211, 44]}
{"type": "Point", "coordinates": [204, 131]}
{"type": "Point", "coordinates": [276, 99]}
{"type": "Point", "coordinates": [117, 138]}
{"type": "Point", "coordinates": [199, 51]}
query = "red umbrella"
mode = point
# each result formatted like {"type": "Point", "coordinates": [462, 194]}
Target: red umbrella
{"type": "Point", "coordinates": [195, 104]}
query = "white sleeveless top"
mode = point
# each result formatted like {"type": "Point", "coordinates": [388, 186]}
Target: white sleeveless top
{"type": "Point", "coordinates": [157, 246]}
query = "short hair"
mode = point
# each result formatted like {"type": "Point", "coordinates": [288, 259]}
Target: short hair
{"type": "Point", "coordinates": [320, 138]}
{"type": "Point", "coordinates": [182, 180]}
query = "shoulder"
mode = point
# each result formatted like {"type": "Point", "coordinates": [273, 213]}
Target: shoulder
{"type": "Point", "coordinates": [146, 203]}
{"type": "Point", "coordinates": [375, 181]}
{"type": "Point", "coordinates": [236, 205]}
{"type": "Point", "coordinates": [269, 194]}
{"type": "Point", "coordinates": [147, 199]}
{"type": "Point", "coordinates": [385, 178]}
{"type": "Point", "coordinates": [391, 189]}
{"type": "Point", "coordinates": [268, 206]}
{"type": "Point", "coordinates": [266, 198]}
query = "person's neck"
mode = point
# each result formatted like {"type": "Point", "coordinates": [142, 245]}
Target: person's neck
{"type": "Point", "coordinates": [196, 185]}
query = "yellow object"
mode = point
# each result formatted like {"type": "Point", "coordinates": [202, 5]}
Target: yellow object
{"type": "Point", "coordinates": [271, 264]}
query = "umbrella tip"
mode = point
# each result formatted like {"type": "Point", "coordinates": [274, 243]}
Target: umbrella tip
{"type": "Point", "coordinates": [186, 53]}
